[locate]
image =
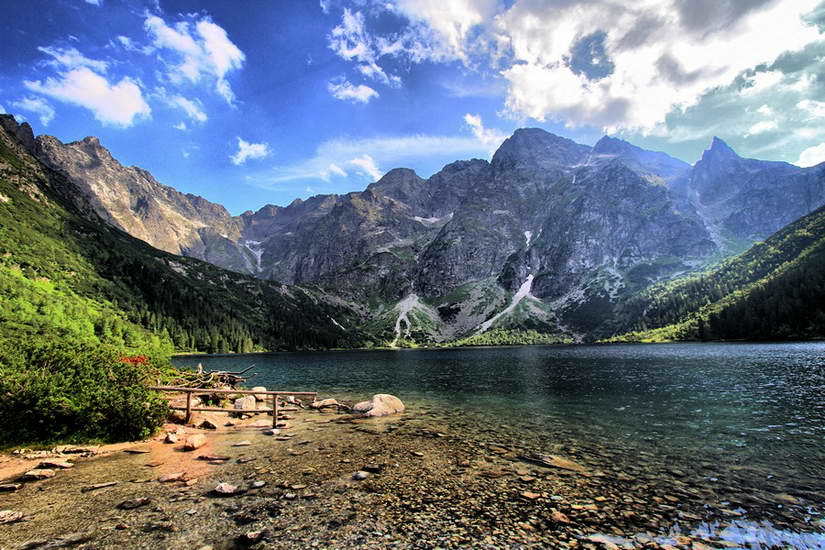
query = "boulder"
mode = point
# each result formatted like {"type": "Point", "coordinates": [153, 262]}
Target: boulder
{"type": "Point", "coordinates": [259, 397]}
{"type": "Point", "coordinates": [362, 407]}
{"type": "Point", "coordinates": [194, 442]}
{"type": "Point", "coordinates": [384, 405]}
{"type": "Point", "coordinates": [171, 438]}
{"type": "Point", "coordinates": [244, 403]}
{"type": "Point", "coordinates": [38, 473]}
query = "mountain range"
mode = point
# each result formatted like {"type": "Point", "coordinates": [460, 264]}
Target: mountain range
{"type": "Point", "coordinates": [549, 235]}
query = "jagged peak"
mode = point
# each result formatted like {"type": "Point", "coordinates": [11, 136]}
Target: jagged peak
{"type": "Point", "coordinates": [718, 151]}
{"type": "Point", "coordinates": [536, 144]}
{"type": "Point", "coordinates": [612, 145]}
{"type": "Point", "coordinates": [396, 175]}
{"type": "Point", "coordinates": [20, 131]}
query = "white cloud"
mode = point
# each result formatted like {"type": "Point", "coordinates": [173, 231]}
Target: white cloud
{"type": "Point", "coordinates": [346, 91]}
{"type": "Point", "coordinates": [95, 2]}
{"type": "Point", "coordinates": [116, 104]}
{"type": "Point", "coordinates": [38, 106]}
{"type": "Point", "coordinates": [3, 109]}
{"type": "Point", "coordinates": [762, 127]}
{"type": "Point", "coordinates": [247, 151]}
{"type": "Point", "coordinates": [665, 53]}
{"type": "Point", "coordinates": [365, 165]}
{"type": "Point", "coordinates": [204, 49]}
{"type": "Point", "coordinates": [332, 156]}
{"type": "Point", "coordinates": [193, 109]}
{"type": "Point", "coordinates": [71, 58]}
{"type": "Point", "coordinates": [812, 156]}
{"type": "Point", "coordinates": [614, 65]}
{"type": "Point", "coordinates": [489, 137]}
{"type": "Point", "coordinates": [814, 108]}
{"type": "Point", "coordinates": [180, 126]}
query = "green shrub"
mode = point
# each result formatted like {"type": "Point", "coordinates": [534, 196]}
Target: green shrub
{"type": "Point", "coordinates": [67, 391]}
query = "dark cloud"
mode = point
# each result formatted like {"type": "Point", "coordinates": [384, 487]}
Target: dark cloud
{"type": "Point", "coordinates": [670, 68]}
{"type": "Point", "coordinates": [643, 29]}
{"type": "Point", "coordinates": [708, 16]}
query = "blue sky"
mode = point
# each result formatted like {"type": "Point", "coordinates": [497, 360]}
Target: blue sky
{"type": "Point", "coordinates": [256, 102]}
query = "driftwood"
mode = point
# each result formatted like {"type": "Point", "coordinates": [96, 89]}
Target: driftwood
{"type": "Point", "coordinates": [213, 379]}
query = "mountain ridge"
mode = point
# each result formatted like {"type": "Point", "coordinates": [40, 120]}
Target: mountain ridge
{"type": "Point", "coordinates": [589, 226]}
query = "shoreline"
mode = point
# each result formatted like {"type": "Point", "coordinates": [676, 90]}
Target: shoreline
{"type": "Point", "coordinates": [431, 481]}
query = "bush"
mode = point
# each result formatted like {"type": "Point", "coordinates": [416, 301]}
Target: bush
{"type": "Point", "coordinates": [65, 391]}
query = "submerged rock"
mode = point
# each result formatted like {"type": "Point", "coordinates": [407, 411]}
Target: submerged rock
{"type": "Point", "coordinates": [324, 403]}
{"type": "Point", "coordinates": [382, 404]}
{"type": "Point", "coordinates": [194, 442]}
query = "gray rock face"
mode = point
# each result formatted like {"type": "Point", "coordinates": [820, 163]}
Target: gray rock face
{"type": "Point", "coordinates": [131, 199]}
{"type": "Point", "coordinates": [570, 229]}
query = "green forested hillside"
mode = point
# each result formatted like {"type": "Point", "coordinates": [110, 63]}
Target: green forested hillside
{"type": "Point", "coordinates": [774, 290]}
{"type": "Point", "coordinates": [64, 271]}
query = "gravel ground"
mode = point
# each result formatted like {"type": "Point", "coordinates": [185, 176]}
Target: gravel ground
{"type": "Point", "coordinates": [430, 480]}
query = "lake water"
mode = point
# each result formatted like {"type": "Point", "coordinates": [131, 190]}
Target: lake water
{"type": "Point", "coordinates": [746, 420]}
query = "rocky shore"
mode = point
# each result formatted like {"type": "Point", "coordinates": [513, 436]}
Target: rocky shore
{"type": "Point", "coordinates": [421, 479]}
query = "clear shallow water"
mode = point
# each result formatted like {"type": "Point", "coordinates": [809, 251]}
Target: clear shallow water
{"type": "Point", "coordinates": [751, 416]}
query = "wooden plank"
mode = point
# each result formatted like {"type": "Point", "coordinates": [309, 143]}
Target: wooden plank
{"type": "Point", "coordinates": [219, 409]}
{"type": "Point", "coordinates": [240, 392]}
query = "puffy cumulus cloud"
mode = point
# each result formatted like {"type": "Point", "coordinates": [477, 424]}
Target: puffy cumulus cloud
{"type": "Point", "coordinates": [812, 108]}
{"type": "Point", "coordinates": [761, 127]}
{"type": "Point", "coordinates": [38, 106]}
{"type": "Point", "coordinates": [488, 137]}
{"type": "Point", "coordinates": [665, 54]}
{"type": "Point", "coordinates": [71, 58]}
{"type": "Point", "coordinates": [247, 151]}
{"type": "Point", "coordinates": [346, 91]}
{"type": "Point", "coordinates": [812, 156]}
{"type": "Point", "coordinates": [614, 65]}
{"type": "Point", "coordinates": [365, 165]}
{"type": "Point", "coordinates": [116, 104]}
{"type": "Point", "coordinates": [203, 50]}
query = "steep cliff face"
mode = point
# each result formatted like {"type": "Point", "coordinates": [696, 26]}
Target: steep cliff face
{"type": "Point", "coordinates": [131, 199]}
{"type": "Point", "coordinates": [549, 234]}
{"type": "Point", "coordinates": [746, 200]}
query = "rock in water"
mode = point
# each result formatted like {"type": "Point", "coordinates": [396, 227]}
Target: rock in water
{"type": "Point", "coordinates": [38, 473]}
{"type": "Point", "coordinates": [324, 403]}
{"type": "Point", "coordinates": [384, 405]}
{"type": "Point", "coordinates": [10, 516]}
{"type": "Point", "coordinates": [194, 442]}
{"type": "Point", "coordinates": [225, 489]}
{"type": "Point", "coordinates": [362, 407]}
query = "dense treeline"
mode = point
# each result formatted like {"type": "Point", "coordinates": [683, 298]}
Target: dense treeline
{"type": "Point", "coordinates": [775, 290]}
{"type": "Point", "coordinates": [510, 337]}
{"type": "Point", "coordinates": [191, 305]}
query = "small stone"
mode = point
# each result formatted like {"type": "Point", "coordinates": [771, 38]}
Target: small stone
{"type": "Point", "coordinates": [38, 473]}
{"type": "Point", "coordinates": [10, 487]}
{"type": "Point", "coordinates": [324, 403]}
{"type": "Point", "coordinates": [558, 517]}
{"type": "Point", "coordinates": [418, 454]}
{"type": "Point", "coordinates": [121, 526]}
{"type": "Point", "coordinates": [10, 516]}
{"type": "Point", "coordinates": [213, 458]}
{"type": "Point", "coordinates": [136, 451]}
{"type": "Point", "coordinates": [373, 468]}
{"type": "Point", "coordinates": [531, 496]}
{"type": "Point", "coordinates": [208, 425]}
{"type": "Point", "coordinates": [194, 442]}
{"type": "Point", "coordinates": [258, 484]}
{"type": "Point", "coordinates": [56, 464]}
{"type": "Point", "coordinates": [360, 475]}
{"type": "Point", "coordinates": [176, 476]}
{"type": "Point", "coordinates": [171, 438]}
{"type": "Point", "coordinates": [225, 489]}
{"type": "Point", "coordinates": [271, 432]}
{"type": "Point", "coordinates": [290, 496]}
{"type": "Point", "coordinates": [297, 487]}
{"type": "Point", "coordinates": [244, 443]}
{"type": "Point", "coordinates": [133, 503]}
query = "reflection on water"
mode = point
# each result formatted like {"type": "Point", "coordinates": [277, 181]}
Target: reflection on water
{"type": "Point", "coordinates": [748, 417]}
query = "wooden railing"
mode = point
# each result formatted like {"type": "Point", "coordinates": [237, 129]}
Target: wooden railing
{"type": "Point", "coordinates": [207, 391]}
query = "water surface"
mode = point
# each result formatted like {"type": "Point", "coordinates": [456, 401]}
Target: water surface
{"type": "Point", "coordinates": [749, 418]}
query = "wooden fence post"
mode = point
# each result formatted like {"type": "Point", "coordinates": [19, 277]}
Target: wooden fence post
{"type": "Point", "coordinates": [188, 407]}
{"type": "Point", "coordinates": [275, 411]}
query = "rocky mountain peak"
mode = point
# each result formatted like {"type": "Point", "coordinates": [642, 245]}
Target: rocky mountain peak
{"type": "Point", "coordinates": [22, 132]}
{"type": "Point", "coordinates": [719, 151]}
{"type": "Point", "coordinates": [534, 146]}
{"type": "Point", "coordinates": [608, 145]}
